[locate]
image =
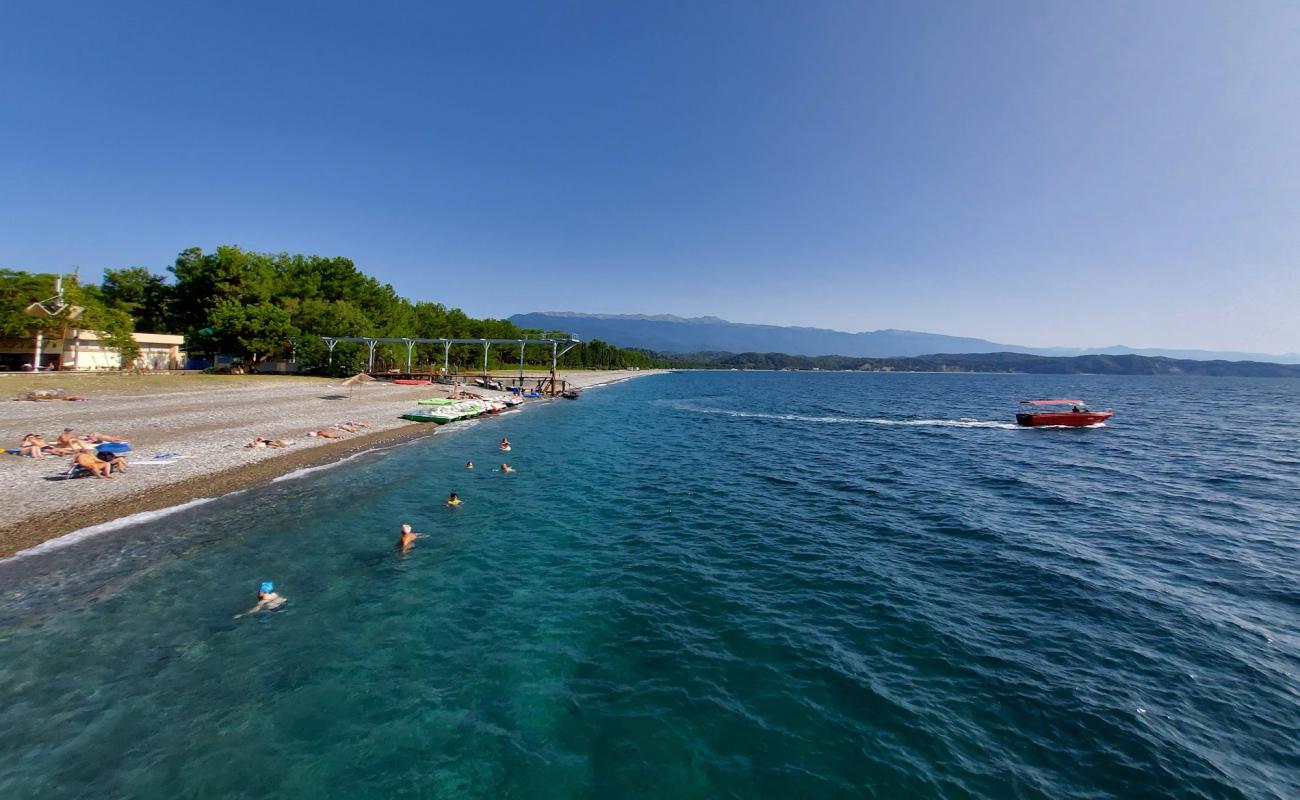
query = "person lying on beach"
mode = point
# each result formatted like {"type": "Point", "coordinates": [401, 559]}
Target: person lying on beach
{"type": "Point", "coordinates": [116, 462]}
{"type": "Point", "coordinates": [267, 600]}
{"type": "Point", "coordinates": [406, 538]}
{"type": "Point", "coordinates": [67, 444]}
{"type": "Point", "coordinates": [87, 459]}
{"type": "Point", "coordinates": [32, 445]}
{"type": "Point", "coordinates": [102, 437]}
{"type": "Point", "coordinates": [505, 445]}
{"type": "Point", "coordinates": [324, 434]}
{"type": "Point", "coordinates": [506, 467]}
{"type": "Point", "coordinates": [260, 442]}
{"type": "Point", "coordinates": [469, 465]}
{"type": "Point", "coordinates": [453, 500]}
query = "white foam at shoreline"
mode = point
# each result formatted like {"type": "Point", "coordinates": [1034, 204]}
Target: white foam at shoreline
{"type": "Point", "coordinates": [67, 539]}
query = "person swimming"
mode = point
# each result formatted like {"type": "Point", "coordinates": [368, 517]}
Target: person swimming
{"type": "Point", "coordinates": [506, 467]}
{"type": "Point", "coordinates": [469, 465]}
{"type": "Point", "coordinates": [406, 538]}
{"type": "Point", "coordinates": [505, 445]}
{"type": "Point", "coordinates": [267, 600]}
{"type": "Point", "coordinates": [453, 500]}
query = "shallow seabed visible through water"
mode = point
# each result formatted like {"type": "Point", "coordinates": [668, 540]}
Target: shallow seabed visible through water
{"type": "Point", "coordinates": [702, 585]}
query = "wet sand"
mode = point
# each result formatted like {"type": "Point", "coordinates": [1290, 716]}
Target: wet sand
{"type": "Point", "coordinates": [208, 423]}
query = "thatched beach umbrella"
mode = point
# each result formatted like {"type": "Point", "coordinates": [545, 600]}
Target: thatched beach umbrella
{"type": "Point", "coordinates": [359, 378]}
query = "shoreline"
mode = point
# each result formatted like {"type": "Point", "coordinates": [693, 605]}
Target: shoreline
{"type": "Point", "coordinates": [30, 531]}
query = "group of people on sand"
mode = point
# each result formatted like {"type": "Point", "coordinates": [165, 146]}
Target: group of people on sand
{"type": "Point", "coordinates": [268, 599]}
{"type": "Point", "coordinates": [68, 443]}
{"type": "Point", "coordinates": [83, 449]}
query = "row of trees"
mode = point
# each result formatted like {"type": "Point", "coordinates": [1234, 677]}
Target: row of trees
{"type": "Point", "coordinates": [266, 305]}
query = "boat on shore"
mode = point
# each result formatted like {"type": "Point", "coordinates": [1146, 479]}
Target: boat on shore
{"type": "Point", "coordinates": [441, 410]}
{"type": "Point", "coordinates": [1076, 416]}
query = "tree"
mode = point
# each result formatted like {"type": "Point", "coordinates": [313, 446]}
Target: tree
{"type": "Point", "coordinates": [252, 331]}
{"type": "Point", "coordinates": [146, 297]}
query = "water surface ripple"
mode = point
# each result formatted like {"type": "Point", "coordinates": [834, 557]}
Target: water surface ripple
{"type": "Point", "coordinates": [703, 585]}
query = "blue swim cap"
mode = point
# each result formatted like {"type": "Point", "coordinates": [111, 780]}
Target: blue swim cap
{"type": "Point", "coordinates": [267, 587]}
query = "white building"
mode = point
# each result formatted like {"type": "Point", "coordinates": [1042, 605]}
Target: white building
{"type": "Point", "coordinates": [84, 350]}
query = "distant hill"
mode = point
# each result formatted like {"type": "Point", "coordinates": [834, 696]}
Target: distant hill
{"type": "Point", "coordinates": [999, 362]}
{"type": "Point", "coordinates": [665, 333]}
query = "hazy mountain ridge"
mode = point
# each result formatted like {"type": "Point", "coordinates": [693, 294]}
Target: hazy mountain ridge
{"type": "Point", "coordinates": [667, 333]}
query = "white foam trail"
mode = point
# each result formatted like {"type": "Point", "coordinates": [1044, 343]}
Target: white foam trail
{"type": "Point", "coordinates": [104, 527]}
{"type": "Point", "coordinates": [305, 471]}
{"type": "Point", "coordinates": [936, 423]}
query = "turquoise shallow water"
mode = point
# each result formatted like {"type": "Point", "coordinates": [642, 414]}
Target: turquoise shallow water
{"type": "Point", "coordinates": [703, 585]}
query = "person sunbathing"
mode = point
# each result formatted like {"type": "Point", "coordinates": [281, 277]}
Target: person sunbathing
{"type": "Point", "coordinates": [346, 426]}
{"type": "Point", "coordinates": [102, 437]}
{"type": "Point", "coordinates": [32, 445]}
{"type": "Point", "coordinates": [68, 444]}
{"type": "Point", "coordinates": [91, 461]}
{"type": "Point", "coordinates": [260, 442]}
{"type": "Point", "coordinates": [325, 435]}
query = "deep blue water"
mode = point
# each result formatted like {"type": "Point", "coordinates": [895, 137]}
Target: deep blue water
{"type": "Point", "coordinates": [703, 585]}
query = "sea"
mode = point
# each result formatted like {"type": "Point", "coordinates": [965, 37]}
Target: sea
{"type": "Point", "coordinates": [701, 585]}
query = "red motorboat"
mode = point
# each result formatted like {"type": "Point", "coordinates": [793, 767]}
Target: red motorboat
{"type": "Point", "coordinates": [1076, 416]}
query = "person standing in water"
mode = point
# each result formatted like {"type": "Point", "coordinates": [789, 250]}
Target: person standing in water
{"type": "Point", "coordinates": [453, 500]}
{"type": "Point", "coordinates": [407, 537]}
{"type": "Point", "coordinates": [267, 600]}
{"type": "Point", "coordinates": [505, 445]}
{"type": "Point", "coordinates": [469, 465]}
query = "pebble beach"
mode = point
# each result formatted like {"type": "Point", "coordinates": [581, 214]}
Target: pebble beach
{"type": "Point", "coordinates": [209, 424]}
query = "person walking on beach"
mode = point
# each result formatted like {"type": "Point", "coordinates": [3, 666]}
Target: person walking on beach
{"type": "Point", "coordinates": [453, 500]}
{"type": "Point", "coordinates": [406, 538]}
{"type": "Point", "coordinates": [267, 600]}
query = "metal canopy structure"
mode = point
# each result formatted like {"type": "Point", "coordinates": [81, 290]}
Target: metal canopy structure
{"type": "Point", "coordinates": [558, 348]}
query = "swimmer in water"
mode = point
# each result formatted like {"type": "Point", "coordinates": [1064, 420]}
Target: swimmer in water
{"type": "Point", "coordinates": [505, 445]}
{"type": "Point", "coordinates": [506, 467]}
{"type": "Point", "coordinates": [453, 500]}
{"type": "Point", "coordinates": [267, 600]}
{"type": "Point", "coordinates": [469, 465]}
{"type": "Point", "coordinates": [406, 537]}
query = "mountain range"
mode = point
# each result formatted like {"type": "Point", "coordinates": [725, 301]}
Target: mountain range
{"type": "Point", "coordinates": [665, 333]}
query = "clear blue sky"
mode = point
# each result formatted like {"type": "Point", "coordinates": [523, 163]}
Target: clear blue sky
{"type": "Point", "coordinates": [1041, 173]}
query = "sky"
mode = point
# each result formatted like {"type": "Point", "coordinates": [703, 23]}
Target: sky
{"type": "Point", "coordinates": [1037, 173]}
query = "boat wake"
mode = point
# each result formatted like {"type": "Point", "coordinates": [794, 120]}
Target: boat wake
{"type": "Point", "coordinates": [964, 422]}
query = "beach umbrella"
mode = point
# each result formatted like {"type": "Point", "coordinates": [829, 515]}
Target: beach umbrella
{"type": "Point", "coordinates": [359, 378]}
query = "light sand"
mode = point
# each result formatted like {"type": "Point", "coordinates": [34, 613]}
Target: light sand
{"type": "Point", "coordinates": [208, 420]}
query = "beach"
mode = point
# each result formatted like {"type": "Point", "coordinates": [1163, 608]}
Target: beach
{"type": "Point", "coordinates": [208, 421]}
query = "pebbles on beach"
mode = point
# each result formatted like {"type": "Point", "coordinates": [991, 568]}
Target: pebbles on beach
{"type": "Point", "coordinates": [209, 426]}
